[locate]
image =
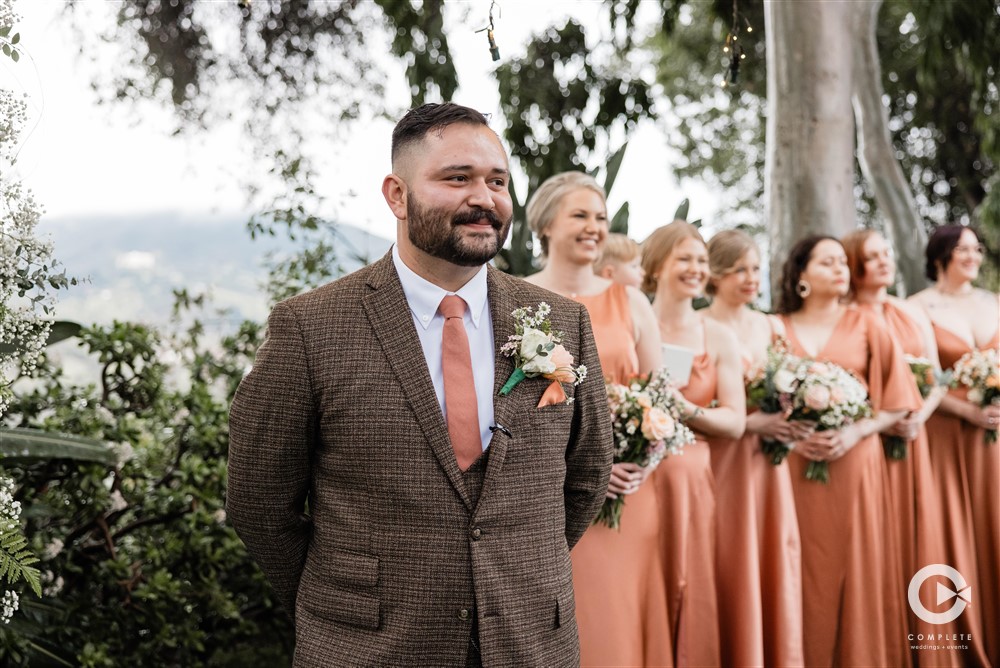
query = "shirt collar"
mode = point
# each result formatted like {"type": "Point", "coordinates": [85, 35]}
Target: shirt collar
{"type": "Point", "coordinates": [424, 297]}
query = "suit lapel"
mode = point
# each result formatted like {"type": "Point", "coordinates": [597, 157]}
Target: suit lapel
{"type": "Point", "coordinates": [389, 315]}
{"type": "Point", "coordinates": [503, 296]}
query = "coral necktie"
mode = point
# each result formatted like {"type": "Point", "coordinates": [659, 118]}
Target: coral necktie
{"type": "Point", "coordinates": [461, 407]}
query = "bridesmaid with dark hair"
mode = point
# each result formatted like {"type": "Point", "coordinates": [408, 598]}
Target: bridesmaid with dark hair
{"type": "Point", "coordinates": [758, 556]}
{"type": "Point", "coordinates": [853, 597]}
{"type": "Point", "coordinates": [966, 467]}
{"type": "Point", "coordinates": [918, 518]}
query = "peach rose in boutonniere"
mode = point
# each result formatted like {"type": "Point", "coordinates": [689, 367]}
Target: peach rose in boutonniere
{"type": "Point", "coordinates": [537, 351]}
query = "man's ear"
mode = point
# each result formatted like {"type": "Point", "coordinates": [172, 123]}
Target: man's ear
{"type": "Point", "coordinates": [394, 191]}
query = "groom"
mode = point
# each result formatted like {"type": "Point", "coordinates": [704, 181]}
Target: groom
{"type": "Point", "coordinates": [405, 512]}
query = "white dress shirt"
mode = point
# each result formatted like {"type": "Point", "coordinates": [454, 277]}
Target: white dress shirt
{"type": "Point", "coordinates": [424, 298]}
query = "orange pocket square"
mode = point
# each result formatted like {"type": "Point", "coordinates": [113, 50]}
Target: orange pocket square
{"type": "Point", "coordinates": [553, 395]}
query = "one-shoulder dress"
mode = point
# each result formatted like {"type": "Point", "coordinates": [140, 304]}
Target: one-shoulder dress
{"type": "Point", "coordinates": [919, 523]}
{"type": "Point", "coordinates": [853, 597]}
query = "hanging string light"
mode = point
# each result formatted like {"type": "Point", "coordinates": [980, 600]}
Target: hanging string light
{"type": "Point", "coordinates": [733, 49]}
{"type": "Point", "coordinates": [494, 50]}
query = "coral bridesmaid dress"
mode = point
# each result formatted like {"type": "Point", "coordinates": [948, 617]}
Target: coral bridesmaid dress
{"type": "Point", "coordinates": [621, 605]}
{"type": "Point", "coordinates": [919, 523]}
{"type": "Point", "coordinates": [852, 580]}
{"type": "Point", "coordinates": [687, 496]}
{"type": "Point", "coordinates": [758, 556]}
{"type": "Point", "coordinates": [967, 472]}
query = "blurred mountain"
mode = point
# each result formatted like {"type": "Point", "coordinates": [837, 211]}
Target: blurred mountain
{"type": "Point", "coordinates": [132, 265]}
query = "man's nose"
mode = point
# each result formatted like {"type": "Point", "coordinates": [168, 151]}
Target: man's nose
{"type": "Point", "coordinates": [481, 196]}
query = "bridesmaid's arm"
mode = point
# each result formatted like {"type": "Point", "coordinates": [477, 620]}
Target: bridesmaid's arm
{"type": "Point", "coordinates": [728, 419]}
{"type": "Point", "coordinates": [647, 332]}
{"type": "Point", "coordinates": [970, 412]}
{"type": "Point", "coordinates": [933, 400]}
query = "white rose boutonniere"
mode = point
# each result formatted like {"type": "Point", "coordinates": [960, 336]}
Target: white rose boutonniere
{"type": "Point", "coordinates": [537, 351]}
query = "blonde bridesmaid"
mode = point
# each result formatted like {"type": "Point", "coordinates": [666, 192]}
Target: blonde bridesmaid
{"type": "Point", "coordinates": [967, 469]}
{"type": "Point", "coordinates": [675, 262]}
{"type": "Point", "coordinates": [853, 596]}
{"type": "Point", "coordinates": [758, 559]}
{"type": "Point", "coordinates": [617, 575]}
{"type": "Point", "coordinates": [918, 523]}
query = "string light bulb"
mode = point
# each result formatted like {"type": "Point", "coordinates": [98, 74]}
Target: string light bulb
{"type": "Point", "coordinates": [494, 49]}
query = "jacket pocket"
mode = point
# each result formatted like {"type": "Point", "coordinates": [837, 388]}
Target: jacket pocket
{"type": "Point", "coordinates": [341, 588]}
{"type": "Point", "coordinates": [565, 608]}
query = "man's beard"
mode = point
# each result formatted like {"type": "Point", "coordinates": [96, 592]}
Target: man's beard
{"type": "Point", "coordinates": [438, 234]}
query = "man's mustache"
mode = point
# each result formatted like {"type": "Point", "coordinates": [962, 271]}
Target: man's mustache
{"type": "Point", "coordinates": [476, 216]}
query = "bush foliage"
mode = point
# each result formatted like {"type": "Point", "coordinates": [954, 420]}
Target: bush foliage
{"type": "Point", "coordinates": [139, 566]}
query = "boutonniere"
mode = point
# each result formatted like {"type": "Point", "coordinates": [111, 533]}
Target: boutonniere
{"type": "Point", "coordinates": [537, 351]}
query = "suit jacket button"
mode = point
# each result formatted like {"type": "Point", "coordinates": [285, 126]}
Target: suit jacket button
{"type": "Point", "coordinates": [463, 614]}
{"type": "Point", "coordinates": [477, 533]}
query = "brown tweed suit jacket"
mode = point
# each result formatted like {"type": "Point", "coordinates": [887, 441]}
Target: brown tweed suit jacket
{"type": "Point", "coordinates": [344, 485]}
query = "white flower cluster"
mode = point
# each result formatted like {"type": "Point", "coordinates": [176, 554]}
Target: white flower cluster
{"type": "Point", "coordinates": [10, 516]}
{"type": "Point", "coordinates": [27, 268]}
{"type": "Point", "coordinates": [10, 603]}
{"type": "Point", "coordinates": [10, 510]}
{"type": "Point", "coordinates": [7, 16]}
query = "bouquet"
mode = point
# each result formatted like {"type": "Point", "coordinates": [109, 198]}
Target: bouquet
{"type": "Point", "coordinates": [770, 388]}
{"type": "Point", "coordinates": [647, 426]}
{"type": "Point", "coordinates": [977, 370]}
{"type": "Point", "coordinates": [831, 397]}
{"type": "Point", "coordinates": [927, 378]}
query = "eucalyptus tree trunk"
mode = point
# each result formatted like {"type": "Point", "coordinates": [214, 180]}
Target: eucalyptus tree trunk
{"type": "Point", "coordinates": [809, 165]}
{"type": "Point", "coordinates": [903, 227]}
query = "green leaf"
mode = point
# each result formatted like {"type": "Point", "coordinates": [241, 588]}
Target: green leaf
{"type": "Point", "coordinates": [4, 31]}
{"type": "Point", "coordinates": [614, 164]}
{"type": "Point", "coordinates": [63, 329]}
{"type": "Point", "coordinates": [16, 560]}
{"type": "Point", "coordinates": [15, 56]}
{"type": "Point", "coordinates": [16, 38]}
{"type": "Point", "coordinates": [6, 49]}
{"type": "Point", "coordinates": [682, 210]}
{"type": "Point", "coordinates": [619, 222]}
{"type": "Point", "coordinates": [35, 444]}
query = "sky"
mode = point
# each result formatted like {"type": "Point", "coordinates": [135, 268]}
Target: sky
{"type": "Point", "coordinates": [82, 159]}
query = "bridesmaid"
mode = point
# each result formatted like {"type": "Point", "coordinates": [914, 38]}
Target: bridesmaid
{"type": "Point", "coordinates": [853, 598]}
{"type": "Point", "coordinates": [918, 520]}
{"type": "Point", "coordinates": [675, 261]}
{"type": "Point", "coordinates": [617, 575]}
{"type": "Point", "coordinates": [967, 469]}
{"type": "Point", "coordinates": [758, 560]}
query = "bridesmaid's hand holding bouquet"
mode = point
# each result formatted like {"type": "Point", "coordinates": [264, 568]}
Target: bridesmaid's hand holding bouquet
{"type": "Point", "coordinates": [977, 370]}
{"type": "Point", "coordinates": [647, 426]}
{"type": "Point", "coordinates": [926, 378]}
{"type": "Point", "coordinates": [831, 397]}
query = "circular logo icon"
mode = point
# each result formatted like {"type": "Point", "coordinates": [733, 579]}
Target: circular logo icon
{"type": "Point", "coordinates": [961, 592]}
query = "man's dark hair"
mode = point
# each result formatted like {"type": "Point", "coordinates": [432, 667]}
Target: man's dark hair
{"type": "Point", "coordinates": [415, 125]}
{"type": "Point", "coordinates": [941, 246]}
